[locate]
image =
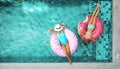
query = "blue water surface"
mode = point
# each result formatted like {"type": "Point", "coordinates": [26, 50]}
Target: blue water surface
{"type": "Point", "coordinates": [24, 26]}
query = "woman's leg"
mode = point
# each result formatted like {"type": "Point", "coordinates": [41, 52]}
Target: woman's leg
{"type": "Point", "coordinates": [68, 48]}
{"type": "Point", "coordinates": [94, 12]}
{"type": "Point", "coordinates": [67, 55]}
{"type": "Point", "coordinates": [94, 19]}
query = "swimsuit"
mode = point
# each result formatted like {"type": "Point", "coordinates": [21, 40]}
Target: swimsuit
{"type": "Point", "coordinates": [62, 38]}
{"type": "Point", "coordinates": [91, 26]}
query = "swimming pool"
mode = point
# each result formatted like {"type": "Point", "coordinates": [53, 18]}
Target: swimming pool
{"type": "Point", "coordinates": [24, 28]}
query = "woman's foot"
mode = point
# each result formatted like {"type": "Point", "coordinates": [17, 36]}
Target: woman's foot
{"type": "Point", "coordinates": [98, 5]}
{"type": "Point", "coordinates": [70, 62]}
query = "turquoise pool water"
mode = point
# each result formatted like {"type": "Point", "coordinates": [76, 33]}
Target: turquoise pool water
{"type": "Point", "coordinates": [24, 28]}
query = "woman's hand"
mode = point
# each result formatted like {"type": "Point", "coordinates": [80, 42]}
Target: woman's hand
{"type": "Point", "coordinates": [63, 24]}
{"type": "Point", "coordinates": [50, 30]}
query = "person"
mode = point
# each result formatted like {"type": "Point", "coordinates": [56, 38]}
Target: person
{"type": "Point", "coordinates": [59, 31]}
{"type": "Point", "coordinates": [91, 26]}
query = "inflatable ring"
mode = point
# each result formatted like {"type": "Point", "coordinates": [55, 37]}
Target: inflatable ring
{"type": "Point", "coordinates": [98, 28]}
{"type": "Point", "coordinates": [56, 46]}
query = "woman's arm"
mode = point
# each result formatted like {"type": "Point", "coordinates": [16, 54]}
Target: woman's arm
{"type": "Point", "coordinates": [51, 30]}
{"type": "Point", "coordinates": [63, 24]}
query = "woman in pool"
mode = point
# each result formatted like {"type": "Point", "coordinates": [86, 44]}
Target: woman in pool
{"type": "Point", "coordinates": [91, 26]}
{"type": "Point", "coordinates": [59, 31]}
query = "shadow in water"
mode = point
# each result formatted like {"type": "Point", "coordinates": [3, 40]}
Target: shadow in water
{"type": "Point", "coordinates": [7, 3]}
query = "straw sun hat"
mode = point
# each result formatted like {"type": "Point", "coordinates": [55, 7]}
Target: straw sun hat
{"type": "Point", "coordinates": [58, 28]}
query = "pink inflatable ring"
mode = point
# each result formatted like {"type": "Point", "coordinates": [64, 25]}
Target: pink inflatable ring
{"type": "Point", "coordinates": [98, 28]}
{"type": "Point", "coordinates": [56, 46]}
